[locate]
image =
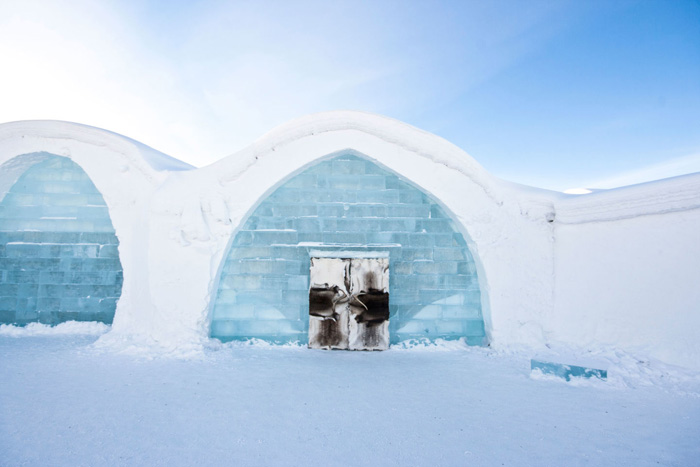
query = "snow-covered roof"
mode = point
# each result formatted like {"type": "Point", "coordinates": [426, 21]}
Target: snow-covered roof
{"type": "Point", "coordinates": [55, 130]}
{"type": "Point", "coordinates": [661, 196]}
{"type": "Point", "coordinates": [389, 130]}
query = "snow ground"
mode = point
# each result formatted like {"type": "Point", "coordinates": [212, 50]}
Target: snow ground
{"type": "Point", "coordinates": [63, 402]}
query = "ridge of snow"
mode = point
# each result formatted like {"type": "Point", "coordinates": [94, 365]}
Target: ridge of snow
{"type": "Point", "coordinates": [673, 194]}
{"type": "Point", "coordinates": [393, 131]}
{"type": "Point", "coordinates": [134, 150]}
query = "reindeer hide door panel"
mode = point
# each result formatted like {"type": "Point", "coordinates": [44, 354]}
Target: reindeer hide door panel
{"type": "Point", "coordinates": [349, 303]}
{"type": "Point", "coordinates": [328, 295]}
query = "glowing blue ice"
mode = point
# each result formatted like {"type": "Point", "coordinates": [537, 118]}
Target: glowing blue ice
{"type": "Point", "coordinates": [348, 203]}
{"type": "Point", "coordinates": [59, 257]}
{"type": "Point", "coordinates": [567, 371]}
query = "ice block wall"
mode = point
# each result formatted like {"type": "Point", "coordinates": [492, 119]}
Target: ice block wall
{"type": "Point", "coordinates": [59, 256]}
{"type": "Point", "coordinates": [351, 204]}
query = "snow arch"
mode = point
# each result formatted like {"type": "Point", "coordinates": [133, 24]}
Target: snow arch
{"type": "Point", "coordinates": [59, 256]}
{"type": "Point", "coordinates": [351, 204]}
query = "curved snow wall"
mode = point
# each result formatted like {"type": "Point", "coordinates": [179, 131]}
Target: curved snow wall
{"type": "Point", "coordinates": [348, 204]}
{"type": "Point", "coordinates": [59, 257]}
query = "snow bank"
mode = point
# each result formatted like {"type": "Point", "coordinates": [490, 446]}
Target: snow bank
{"type": "Point", "coordinates": [67, 328]}
{"type": "Point", "coordinates": [427, 345]}
{"type": "Point", "coordinates": [254, 344]}
{"type": "Point", "coordinates": [625, 370]}
{"type": "Point", "coordinates": [413, 345]}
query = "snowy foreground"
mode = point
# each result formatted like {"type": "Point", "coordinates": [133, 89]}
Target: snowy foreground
{"type": "Point", "coordinates": [62, 402]}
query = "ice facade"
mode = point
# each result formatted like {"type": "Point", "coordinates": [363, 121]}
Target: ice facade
{"type": "Point", "coordinates": [349, 204]}
{"type": "Point", "coordinates": [59, 257]}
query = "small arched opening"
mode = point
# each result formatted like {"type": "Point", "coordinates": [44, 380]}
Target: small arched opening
{"type": "Point", "coordinates": [59, 257]}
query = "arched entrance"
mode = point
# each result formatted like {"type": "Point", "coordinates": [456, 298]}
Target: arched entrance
{"type": "Point", "coordinates": [59, 256]}
{"type": "Point", "coordinates": [348, 204]}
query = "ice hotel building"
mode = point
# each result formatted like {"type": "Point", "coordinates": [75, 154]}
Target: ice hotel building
{"type": "Point", "coordinates": [343, 230]}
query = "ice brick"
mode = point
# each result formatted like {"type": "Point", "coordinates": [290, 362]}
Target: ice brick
{"type": "Point", "coordinates": [567, 371]}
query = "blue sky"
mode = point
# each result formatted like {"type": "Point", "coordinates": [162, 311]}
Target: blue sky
{"type": "Point", "coordinates": [554, 94]}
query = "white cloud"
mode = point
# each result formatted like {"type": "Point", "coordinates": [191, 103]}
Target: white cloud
{"type": "Point", "coordinates": [200, 81]}
{"type": "Point", "coordinates": [77, 61]}
{"type": "Point", "coordinates": [671, 168]}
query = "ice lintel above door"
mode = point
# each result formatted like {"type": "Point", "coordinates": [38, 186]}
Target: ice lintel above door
{"type": "Point", "coordinates": [363, 246]}
{"type": "Point", "coordinates": [348, 254]}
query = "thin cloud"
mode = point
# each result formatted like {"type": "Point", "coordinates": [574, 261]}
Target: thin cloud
{"type": "Point", "coordinates": [201, 80]}
{"type": "Point", "coordinates": [671, 168]}
{"type": "Point", "coordinates": [215, 76]}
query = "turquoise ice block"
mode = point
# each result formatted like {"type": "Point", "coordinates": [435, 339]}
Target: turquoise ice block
{"type": "Point", "coordinates": [567, 371]}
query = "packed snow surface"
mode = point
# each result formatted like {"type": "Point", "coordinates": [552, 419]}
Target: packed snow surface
{"type": "Point", "coordinates": [91, 328]}
{"type": "Point", "coordinates": [65, 402]}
